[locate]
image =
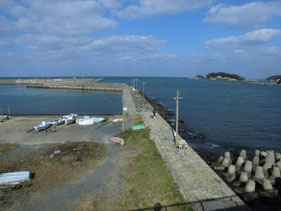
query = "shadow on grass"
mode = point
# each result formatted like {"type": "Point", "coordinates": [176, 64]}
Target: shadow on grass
{"type": "Point", "coordinates": [224, 203]}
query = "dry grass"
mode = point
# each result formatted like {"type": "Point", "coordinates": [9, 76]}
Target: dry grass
{"type": "Point", "coordinates": [146, 178]}
{"type": "Point", "coordinates": [63, 168]}
{"type": "Point", "coordinates": [6, 148]}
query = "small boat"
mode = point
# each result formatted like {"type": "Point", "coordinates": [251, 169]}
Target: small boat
{"type": "Point", "coordinates": [70, 118]}
{"type": "Point", "coordinates": [99, 119]}
{"type": "Point", "coordinates": [58, 121]}
{"type": "Point", "coordinates": [14, 178]}
{"type": "Point", "coordinates": [86, 120]}
{"type": "Point", "coordinates": [117, 120]}
{"type": "Point", "coordinates": [43, 126]}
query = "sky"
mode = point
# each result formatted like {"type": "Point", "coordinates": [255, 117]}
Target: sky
{"type": "Point", "coordinates": [178, 38]}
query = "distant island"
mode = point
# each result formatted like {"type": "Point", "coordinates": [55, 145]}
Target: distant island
{"type": "Point", "coordinates": [275, 78]}
{"type": "Point", "coordinates": [224, 76]}
{"type": "Point", "coordinates": [199, 77]}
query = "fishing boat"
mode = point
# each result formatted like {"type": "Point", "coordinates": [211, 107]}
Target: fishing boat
{"type": "Point", "coordinates": [70, 118]}
{"type": "Point", "coordinates": [43, 126]}
{"type": "Point", "coordinates": [58, 121]}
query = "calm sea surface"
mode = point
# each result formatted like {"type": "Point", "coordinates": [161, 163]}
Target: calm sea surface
{"type": "Point", "coordinates": [22, 100]}
{"type": "Point", "coordinates": [232, 115]}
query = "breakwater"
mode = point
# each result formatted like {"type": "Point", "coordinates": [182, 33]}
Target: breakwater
{"type": "Point", "coordinates": [73, 84]}
{"type": "Point", "coordinates": [197, 182]}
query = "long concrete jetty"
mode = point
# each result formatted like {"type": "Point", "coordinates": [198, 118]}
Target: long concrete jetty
{"type": "Point", "coordinates": [197, 182]}
{"type": "Point", "coordinates": [74, 84]}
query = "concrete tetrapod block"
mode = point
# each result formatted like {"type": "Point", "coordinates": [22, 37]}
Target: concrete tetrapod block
{"type": "Point", "coordinates": [243, 154]}
{"type": "Point", "coordinates": [268, 190]}
{"type": "Point", "coordinates": [263, 153]}
{"type": "Point", "coordinates": [248, 167]}
{"type": "Point", "coordinates": [239, 162]}
{"type": "Point", "coordinates": [256, 162]}
{"type": "Point", "coordinates": [279, 164]}
{"type": "Point", "coordinates": [243, 178]}
{"type": "Point", "coordinates": [227, 155]}
{"type": "Point", "coordinates": [257, 153]}
{"type": "Point", "coordinates": [259, 175]}
{"type": "Point", "coordinates": [277, 156]}
{"type": "Point", "coordinates": [266, 185]}
{"type": "Point", "coordinates": [250, 187]}
{"type": "Point", "coordinates": [226, 162]}
{"type": "Point", "coordinates": [220, 159]}
{"type": "Point", "coordinates": [231, 175]}
{"type": "Point", "coordinates": [275, 174]}
{"type": "Point", "coordinates": [266, 167]}
{"type": "Point", "coordinates": [270, 157]}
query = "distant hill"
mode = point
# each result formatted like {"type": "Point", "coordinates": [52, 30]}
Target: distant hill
{"type": "Point", "coordinates": [274, 78]}
{"type": "Point", "coordinates": [199, 77]}
{"type": "Point", "coordinates": [224, 76]}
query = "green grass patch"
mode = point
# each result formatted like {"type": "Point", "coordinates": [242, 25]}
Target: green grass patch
{"type": "Point", "coordinates": [147, 180]}
{"type": "Point", "coordinates": [6, 148]}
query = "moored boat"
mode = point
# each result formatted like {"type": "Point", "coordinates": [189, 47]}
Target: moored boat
{"type": "Point", "coordinates": [86, 120]}
{"type": "Point", "coordinates": [43, 126]}
{"type": "Point", "coordinates": [70, 118]}
{"type": "Point", "coordinates": [58, 121]}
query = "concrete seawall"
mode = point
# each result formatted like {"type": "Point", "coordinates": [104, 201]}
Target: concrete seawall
{"type": "Point", "coordinates": [197, 182]}
{"type": "Point", "coordinates": [74, 84]}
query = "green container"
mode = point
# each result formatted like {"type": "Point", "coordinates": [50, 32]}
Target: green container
{"type": "Point", "coordinates": [138, 127]}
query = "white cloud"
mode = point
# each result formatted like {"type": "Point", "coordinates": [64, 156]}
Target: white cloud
{"type": "Point", "coordinates": [149, 8]}
{"type": "Point", "coordinates": [124, 44]}
{"type": "Point", "coordinates": [254, 38]}
{"type": "Point", "coordinates": [62, 17]}
{"type": "Point", "coordinates": [81, 46]}
{"type": "Point", "coordinates": [248, 15]}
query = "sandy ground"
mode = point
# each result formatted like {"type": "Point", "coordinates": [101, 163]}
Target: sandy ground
{"type": "Point", "coordinates": [15, 131]}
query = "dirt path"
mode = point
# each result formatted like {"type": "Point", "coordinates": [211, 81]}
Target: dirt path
{"type": "Point", "coordinates": [62, 197]}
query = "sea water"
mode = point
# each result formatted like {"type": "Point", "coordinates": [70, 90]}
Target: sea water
{"type": "Point", "coordinates": [22, 100]}
{"type": "Point", "coordinates": [231, 115]}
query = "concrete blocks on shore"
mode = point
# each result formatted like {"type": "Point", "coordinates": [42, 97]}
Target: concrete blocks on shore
{"type": "Point", "coordinates": [263, 169]}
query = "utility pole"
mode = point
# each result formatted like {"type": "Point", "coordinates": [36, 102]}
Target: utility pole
{"type": "Point", "coordinates": [136, 83]}
{"type": "Point", "coordinates": [177, 111]}
{"type": "Point", "coordinates": [143, 83]}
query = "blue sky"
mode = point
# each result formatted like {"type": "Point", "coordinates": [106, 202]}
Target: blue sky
{"type": "Point", "coordinates": [180, 38]}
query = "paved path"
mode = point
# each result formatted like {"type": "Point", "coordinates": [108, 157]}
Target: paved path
{"type": "Point", "coordinates": [197, 182]}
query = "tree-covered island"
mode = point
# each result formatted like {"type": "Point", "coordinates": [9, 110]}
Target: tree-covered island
{"type": "Point", "coordinates": [224, 76]}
